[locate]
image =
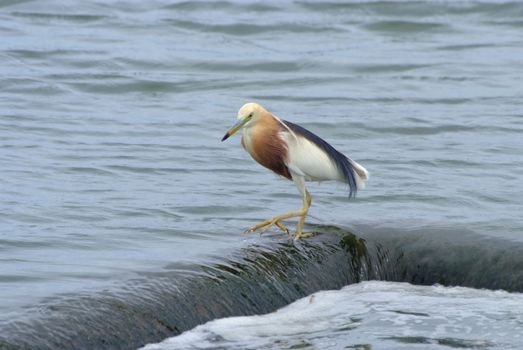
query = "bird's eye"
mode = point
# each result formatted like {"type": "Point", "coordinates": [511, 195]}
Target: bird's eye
{"type": "Point", "coordinates": [250, 116]}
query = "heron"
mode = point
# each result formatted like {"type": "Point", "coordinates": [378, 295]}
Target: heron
{"type": "Point", "coordinates": [295, 153]}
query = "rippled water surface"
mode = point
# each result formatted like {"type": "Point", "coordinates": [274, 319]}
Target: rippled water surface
{"type": "Point", "coordinates": [111, 115]}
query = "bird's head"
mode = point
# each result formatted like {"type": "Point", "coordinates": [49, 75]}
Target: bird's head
{"type": "Point", "coordinates": [247, 115]}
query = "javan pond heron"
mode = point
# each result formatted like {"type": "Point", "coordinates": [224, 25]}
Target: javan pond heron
{"type": "Point", "coordinates": [295, 153]}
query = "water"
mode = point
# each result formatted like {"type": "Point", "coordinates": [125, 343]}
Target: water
{"type": "Point", "coordinates": [111, 115]}
{"type": "Point", "coordinates": [394, 315]}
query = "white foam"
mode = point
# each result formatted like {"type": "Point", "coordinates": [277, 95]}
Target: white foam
{"type": "Point", "coordinates": [385, 315]}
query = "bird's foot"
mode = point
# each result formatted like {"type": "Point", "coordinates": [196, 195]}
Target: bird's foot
{"type": "Point", "coordinates": [282, 227]}
{"type": "Point", "coordinates": [299, 235]}
{"type": "Point", "coordinates": [258, 226]}
{"type": "Point", "coordinates": [265, 225]}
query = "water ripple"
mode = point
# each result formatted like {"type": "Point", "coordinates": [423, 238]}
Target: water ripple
{"type": "Point", "coordinates": [61, 17]}
{"type": "Point", "coordinates": [240, 29]}
{"type": "Point", "coordinates": [111, 115]}
{"type": "Point", "coordinates": [391, 27]}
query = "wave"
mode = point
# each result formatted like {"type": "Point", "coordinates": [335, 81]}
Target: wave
{"type": "Point", "coordinates": [259, 279]}
{"type": "Point", "coordinates": [368, 314]}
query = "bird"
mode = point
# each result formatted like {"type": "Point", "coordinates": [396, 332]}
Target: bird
{"type": "Point", "coordinates": [295, 153]}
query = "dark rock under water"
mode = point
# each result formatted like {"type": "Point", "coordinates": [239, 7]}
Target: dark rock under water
{"type": "Point", "coordinates": [260, 279]}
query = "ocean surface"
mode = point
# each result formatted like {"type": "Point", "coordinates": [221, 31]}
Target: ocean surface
{"type": "Point", "coordinates": [116, 193]}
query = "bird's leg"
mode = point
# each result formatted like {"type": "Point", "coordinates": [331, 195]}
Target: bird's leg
{"type": "Point", "coordinates": [269, 223]}
{"type": "Point", "coordinates": [307, 200]}
{"type": "Point", "coordinates": [282, 227]}
{"type": "Point", "coordinates": [276, 221]}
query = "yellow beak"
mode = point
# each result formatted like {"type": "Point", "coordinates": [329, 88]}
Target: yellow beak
{"type": "Point", "coordinates": [234, 129]}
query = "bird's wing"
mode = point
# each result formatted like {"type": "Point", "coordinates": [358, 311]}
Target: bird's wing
{"type": "Point", "coordinates": [317, 160]}
{"type": "Point", "coordinates": [306, 156]}
{"type": "Point", "coordinates": [286, 127]}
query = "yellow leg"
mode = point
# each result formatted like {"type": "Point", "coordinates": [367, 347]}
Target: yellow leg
{"type": "Point", "coordinates": [307, 200]}
{"type": "Point", "coordinates": [269, 223]}
{"type": "Point", "coordinates": [276, 220]}
{"type": "Point", "coordinates": [302, 213]}
{"type": "Point", "coordinates": [282, 227]}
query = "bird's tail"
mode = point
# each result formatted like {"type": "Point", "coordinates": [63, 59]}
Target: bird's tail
{"type": "Point", "coordinates": [362, 175]}
{"type": "Point", "coordinates": [353, 174]}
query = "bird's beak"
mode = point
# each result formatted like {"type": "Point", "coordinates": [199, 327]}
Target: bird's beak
{"type": "Point", "coordinates": [234, 129]}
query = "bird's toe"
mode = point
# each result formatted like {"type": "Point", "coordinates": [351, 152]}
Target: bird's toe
{"type": "Point", "coordinates": [299, 235]}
